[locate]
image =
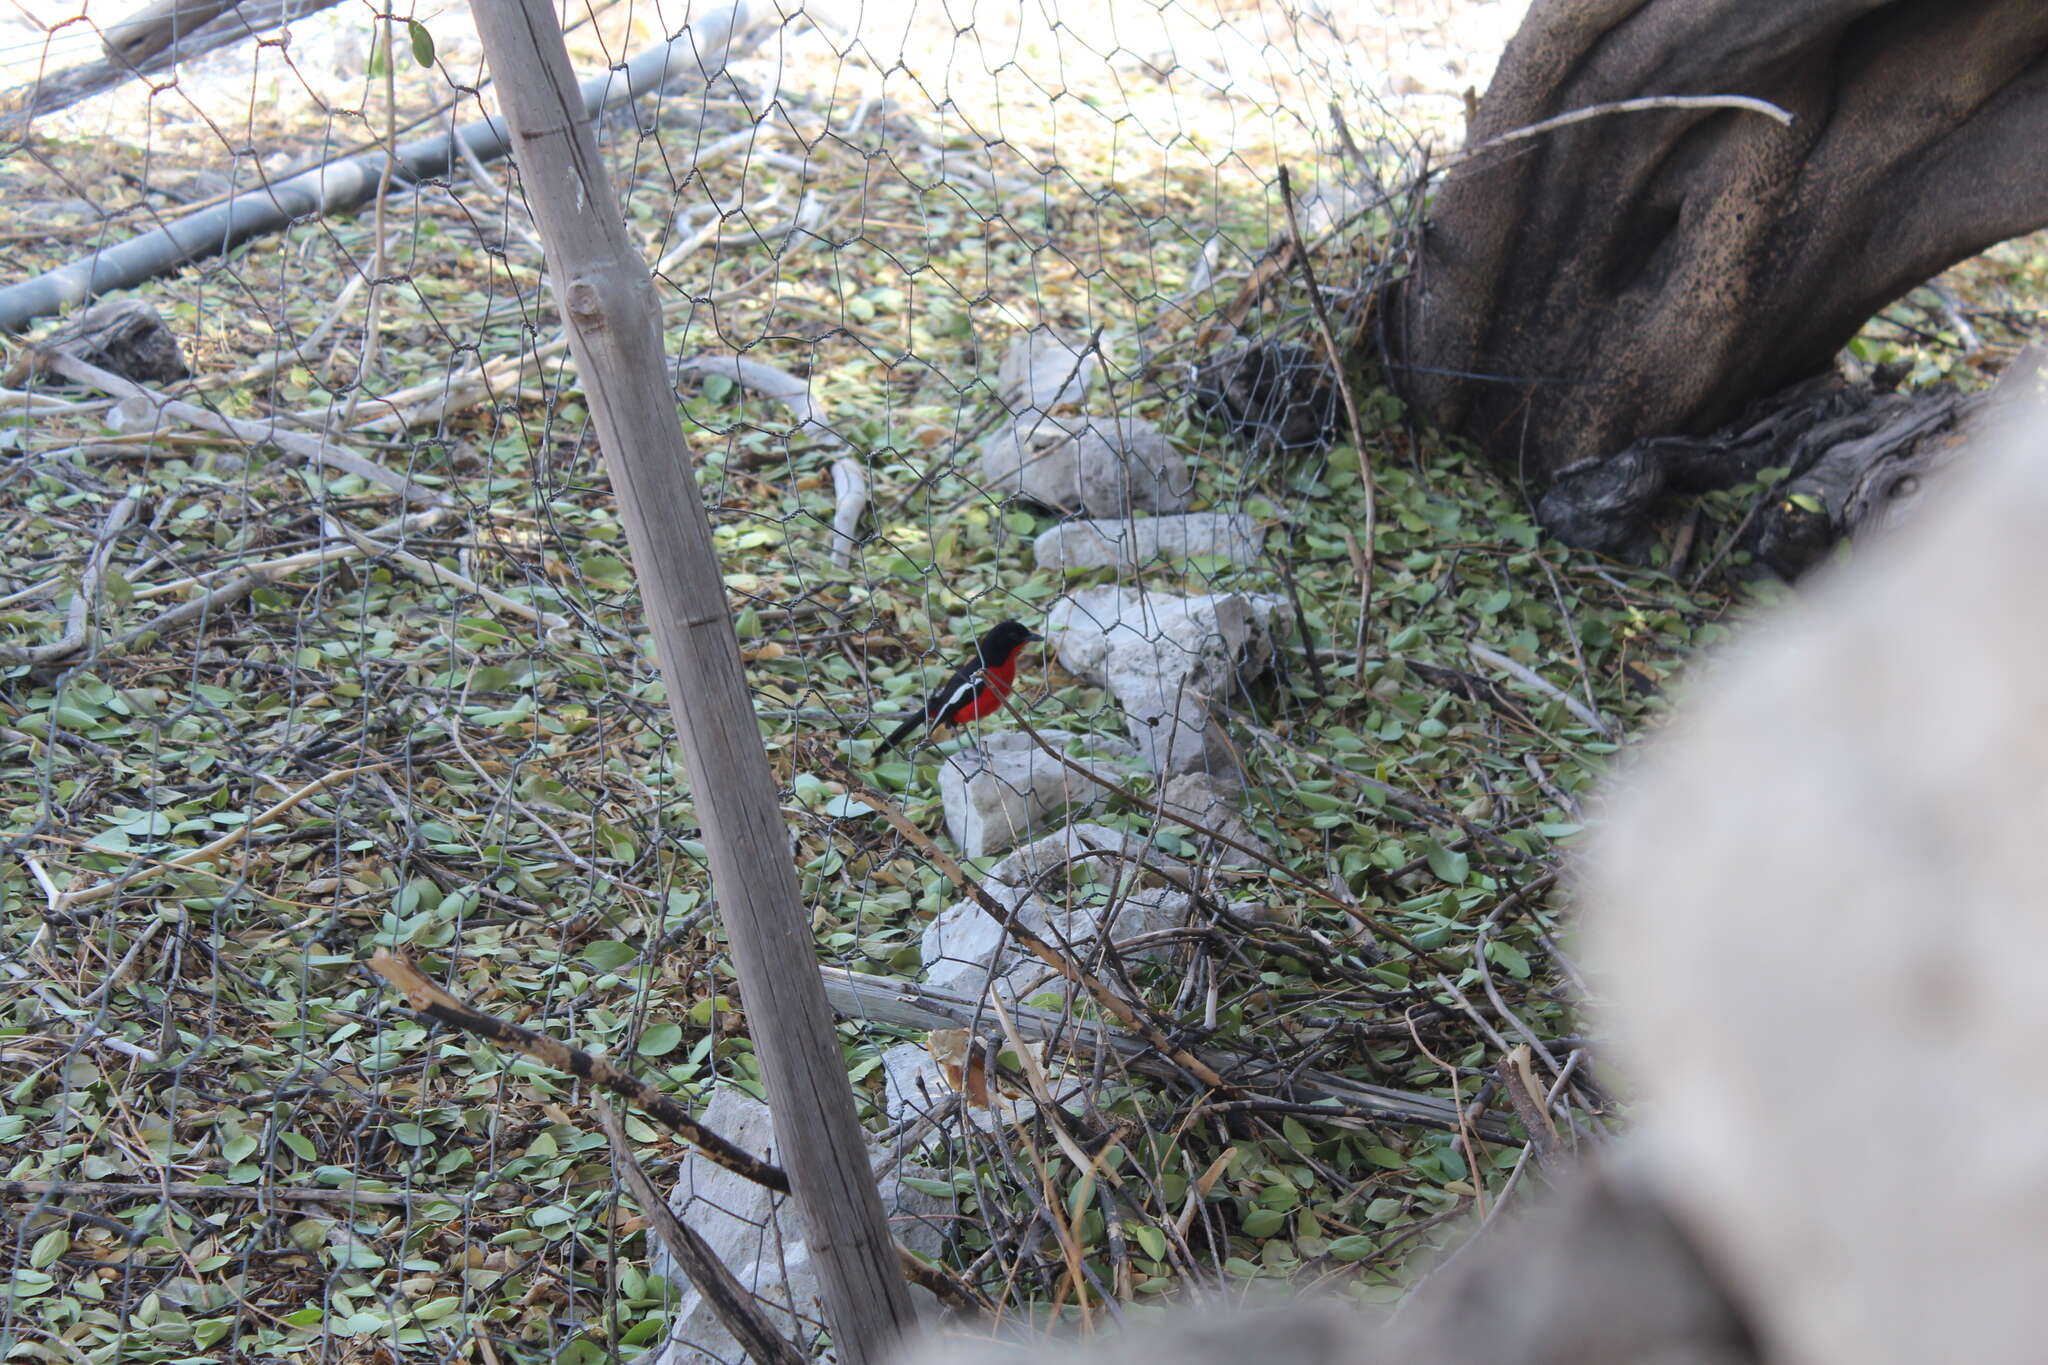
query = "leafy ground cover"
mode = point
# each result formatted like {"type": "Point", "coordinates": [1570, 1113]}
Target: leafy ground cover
{"type": "Point", "coordinates": [454, 742]}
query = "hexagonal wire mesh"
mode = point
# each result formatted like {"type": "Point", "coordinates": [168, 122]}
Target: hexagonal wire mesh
{"type": "Point", "coordinates": [967, 309]}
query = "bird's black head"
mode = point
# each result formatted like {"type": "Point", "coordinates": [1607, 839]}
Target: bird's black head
{"type": "Point", "coordinates": [1004, 640]}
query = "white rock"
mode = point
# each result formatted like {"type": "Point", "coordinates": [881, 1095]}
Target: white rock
{"type": "Point", "coordinates": [760, 1236]}
{"type": "Point", "coordinates": [1134, 543]}
{"type": "Point", "coordinates": [1162, 656]}
{"type": "Point", "coordinates": [1213, 803]}
{"type": "Point", "coordinates": [1041, 371]}
{"type": "Point", "coordinates": [1095, 466]}
{"type": "Point", "coordinates": [913, 1086]}
{"type": "Point", "coordinates": [1007, 788]}
{"type": "Point", "coordinates": [965, 949]}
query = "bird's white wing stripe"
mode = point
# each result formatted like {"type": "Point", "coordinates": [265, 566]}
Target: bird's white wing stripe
{"type": "Point", "coordinates": [959, 695]}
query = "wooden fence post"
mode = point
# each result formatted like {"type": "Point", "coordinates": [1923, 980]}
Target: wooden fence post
{"type": "Point", "coordinates": [608, 301]}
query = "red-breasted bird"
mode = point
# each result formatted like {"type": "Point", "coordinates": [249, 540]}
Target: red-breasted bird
{"type": "Point", "coordinates": [975, 689]}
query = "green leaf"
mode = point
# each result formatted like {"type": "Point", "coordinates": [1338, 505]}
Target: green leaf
{"type": "Point", "coordinates": [422, 42]}
{"type": "Point", "coordinates": [1152, 1240]}
{"type": "Point", "coordinates": [48, 1248]}
{"type": "Point", "coordinates": [1510, 957]}
{"type": "Point", "coordinates": [844, 807]}
{"type": "Point", "coordinates": [1452, 867]}
{"type": "Point", "coordinates": [1263, 1222]}
{"type": "Point", "coordinates": [609, 955]}
{"type": "Point", "coordinates": [1383, 1210]}
{"type": "Point", "coordinates": [661, 1039]}
{"type": "Point", "coordinates": [411, 1134]}
{"type": "Point", "coordinates": [1353, 1248]}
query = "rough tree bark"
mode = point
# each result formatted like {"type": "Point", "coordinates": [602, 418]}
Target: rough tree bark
{"type": "Point", "coordinates": [1654, 274]}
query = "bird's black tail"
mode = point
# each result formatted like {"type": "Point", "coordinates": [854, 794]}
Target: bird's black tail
{"type": "Point", "coordinates": [900, 733]}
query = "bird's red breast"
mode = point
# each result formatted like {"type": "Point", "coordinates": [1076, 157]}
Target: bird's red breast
{"type": "Point", "coordinates": [987, 699]}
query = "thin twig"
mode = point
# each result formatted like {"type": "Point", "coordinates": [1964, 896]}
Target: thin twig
{"type": "Point", "coordinates": [217, 599]}
{"type": "Point", "coordinates": [1362, 566]}
{"type": "Point", "coordinates": [1529, 677]}
{"type": "Point", "coordinates": [1647, 102]}
{"type": "Point", "coordinates": [429, 999]}
{"type": "Point", "coordinates": [429, 572]}
{"type": "Point", "coordinates": [68, 900]}
{"type": "Point", "coordinates": [730, 1301]}
{"type": "Point", "coordinates": [18, 1190]}
{"type": "Point", "coordinates": [1113, 1004]}
{"type": "Point", "coordinates": [1338, 369]}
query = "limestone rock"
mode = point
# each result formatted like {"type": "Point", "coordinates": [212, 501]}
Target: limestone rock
{"type": "Point", "coordinates": [1214, 804]}
{"type": "Point", "coordinates": [965, 949]}
{"type": "Point", "coordinates": [1007, 788]}
{"type": "Point", "coordinates": [1137, 542]}
{"type": "Point", "coordinates": [1163, 656]}
{"type": "Point", "coordinates": [913, 1087]}
{"type": "Point", "coordinates": [761, 1237]}
{"type": "Point", "coordinates": [1095, 466]}
{"type": "Point", "coordinates": [1042, 372]}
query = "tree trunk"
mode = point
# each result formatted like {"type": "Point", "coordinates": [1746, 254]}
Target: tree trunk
{"type": "Point", "coordinates": [1645, 275]}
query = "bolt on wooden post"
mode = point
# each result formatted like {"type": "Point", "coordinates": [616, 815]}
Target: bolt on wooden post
{"type": "Point", "coordinates": [614, 331]}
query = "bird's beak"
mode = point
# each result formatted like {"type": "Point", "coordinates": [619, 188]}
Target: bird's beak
{"type": "Point", "coordinates": [1033, 635]}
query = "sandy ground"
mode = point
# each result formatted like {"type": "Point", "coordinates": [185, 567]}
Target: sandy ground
{"type": "Point", "coordinates": [1411, 58]}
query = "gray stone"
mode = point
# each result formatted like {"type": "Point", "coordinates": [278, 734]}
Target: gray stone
{"type": "Point", "coordinates": [1042, 372]}
{"type": "Point", "coordinates": [760, 1236]}
{"type": "Point", "coordinates": [1135, 543]}
{"type": "Point", "coordinates": [1163, 657]}
{"type": "Point", "coordinates": [1007, 788]}
{"type": "Point", "coordinates": [1213, 803]}
{"type": "Point", "coordinates": [965, 950]}
{"type": "Point", "coordinates": [913, 1087]}
{"type": "Point", "coordinates": [1094, 466]}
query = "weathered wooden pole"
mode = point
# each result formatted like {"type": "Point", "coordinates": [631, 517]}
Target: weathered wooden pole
{"type": "Point", "coordinates": [608, 300]}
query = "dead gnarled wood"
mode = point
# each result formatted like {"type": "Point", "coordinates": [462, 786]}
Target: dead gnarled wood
{"type": "Point", "coordinates": [1620, 280]}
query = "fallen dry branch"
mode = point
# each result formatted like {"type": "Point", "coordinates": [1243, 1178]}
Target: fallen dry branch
{"type": "Point", "coordinates": [164, 408]}
{"type": "Point", "coordinates": [729, 1299]}
{"type": "Point", "coordinates": [17, 1191]}
{"type": "Point", "coordinates": [140, 45]}
{"type": "Point", "coordinates": [849, 501]}
{"type": "Point", "coordinates": [1112, 1004]}
{"type": "Point", "coordinates": [702, 48]}
{"type": "Point", "coordinates": [1316, 1094]}
{"type": "Point", "coordinates": [99, 891]}
{"type": "Point", "coordinates": [429, 999]}
{"type": "Point", "coordinates": [78, 625]}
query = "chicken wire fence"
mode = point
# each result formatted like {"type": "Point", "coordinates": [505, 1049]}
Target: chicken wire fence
{"type": "Point", "coordinates": [330, 642]}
